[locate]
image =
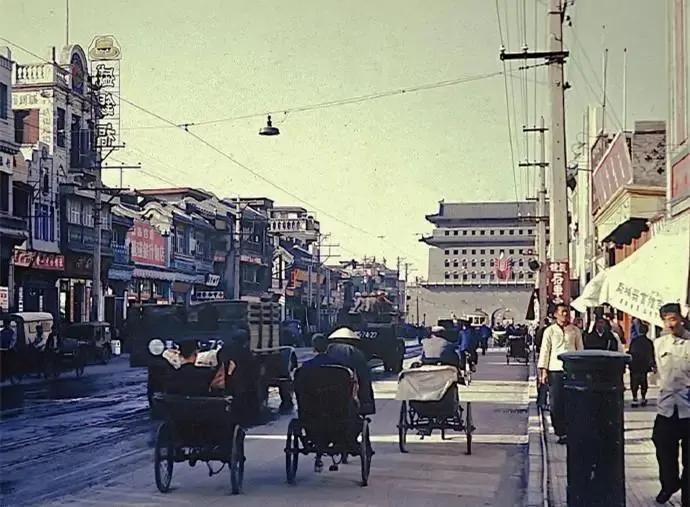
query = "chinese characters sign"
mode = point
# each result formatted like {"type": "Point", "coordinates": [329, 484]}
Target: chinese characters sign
{"type": "Point", "coordinates": [612, 172]}
{"type": "Point", "coordinates": [558, 283]}
{"type": "Point", "coordinates": [148, 245]}
{"type": "Point", "coordinates": [38, 260]}
{"type": "Point", "coordinates": [105, 69]}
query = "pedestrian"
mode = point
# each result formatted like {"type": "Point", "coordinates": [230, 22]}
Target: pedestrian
{"type": "Point", "coordinates": [672, 424]}
{"type": "Point", "coordinates": [602, 338]}
{"type": "Point", "coordinates": [485, 334]}
{"type": "Point", "coordinates": [642, 352]}
{"type": "Point", "coordinates": [558, 338]}
{"type": "Point", "coordinates": [8, 338]}
{"type": "Point", "coordinates": [345, 348]}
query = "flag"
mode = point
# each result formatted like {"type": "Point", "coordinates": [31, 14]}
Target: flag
{"type": "Point", "coordinates": [504, 268]}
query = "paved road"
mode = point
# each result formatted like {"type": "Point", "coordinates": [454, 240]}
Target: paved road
{"type": "Point", "coordinates": [96, 450]}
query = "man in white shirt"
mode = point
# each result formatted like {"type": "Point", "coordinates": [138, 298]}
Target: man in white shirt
{"type": "Point", "coordinates": [558, 338]}
{"type": "Point", "coordinates": [672, 424]}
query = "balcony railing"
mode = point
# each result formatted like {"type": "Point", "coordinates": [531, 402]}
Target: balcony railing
{"type": "Point", "coordinates": [42, 73]}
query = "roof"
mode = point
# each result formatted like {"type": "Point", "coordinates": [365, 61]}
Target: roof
{"type": "Point", "coordinates": [197, 193]}
{"type": "Point", "coordinates": [483, 210]}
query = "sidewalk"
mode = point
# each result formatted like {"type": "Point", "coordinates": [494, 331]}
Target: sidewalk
{"type": "Point", "coordinates": [641, 473]}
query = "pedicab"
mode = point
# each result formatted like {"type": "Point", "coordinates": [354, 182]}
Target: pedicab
{"type": "Point", "coordinates": [198, 426]}
{"type": "Point", "coordinates": [328, 421]}
{"type": "Point", "coordinates": [517, 348]}
{"type": "Point", "coordinates": [430, 401]}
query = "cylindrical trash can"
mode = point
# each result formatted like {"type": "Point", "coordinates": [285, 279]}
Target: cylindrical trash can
{"type": "Point", "coordinates": [116, 347]}
{"type": "Point", "coordinates": [594, 412]}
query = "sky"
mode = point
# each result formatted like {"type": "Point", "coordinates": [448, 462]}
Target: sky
{"type": "Point", "coordinates": [370, 171]}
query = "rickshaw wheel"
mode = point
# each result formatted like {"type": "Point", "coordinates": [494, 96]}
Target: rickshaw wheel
{"type": "Point", "coordinates": [292, 451]}
{"type": "Point", "coordinates": [402, 427]}
{"type": "Point", "coordinates": [469, 428]}
{"type": "Point", "coordinates": [163, 458]}
{"type": "Point", "coordinates": [365, 452]}
{"type": "Point", "coordinates": [237, 460]}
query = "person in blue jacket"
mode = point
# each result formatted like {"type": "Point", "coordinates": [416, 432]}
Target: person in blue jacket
{"type": "Point", "coordinates": [468, 339]}
{"type": "Point", "coordinates": [484, 335]}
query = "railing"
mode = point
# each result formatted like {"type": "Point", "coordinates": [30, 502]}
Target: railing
{"type": "Point", "coordinates": [40, 73]}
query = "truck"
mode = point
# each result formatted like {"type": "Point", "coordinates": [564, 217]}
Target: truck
{"type": "Point", "coordinates": [153, 328]}
{"type": "Point", "coordinates": [380, 334]}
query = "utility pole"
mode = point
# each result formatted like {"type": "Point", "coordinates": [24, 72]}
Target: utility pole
{"type": "Point", "coordinates": [238, 251]}
{"type": "Point", "coordinates": [542, 164]}
{"type": "Point", "coordinates": [558, 202]}
{"type": "Point", "coordinates": [318, 284]}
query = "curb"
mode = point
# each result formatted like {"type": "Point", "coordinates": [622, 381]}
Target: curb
{"type": "Point", "coordinates": [537, 462]}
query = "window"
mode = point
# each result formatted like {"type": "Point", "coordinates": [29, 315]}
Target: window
{"type": "Point", "coordinates": [455, 263]}
{"type": "Point", "coordinates": [51, 217]}
{"type": "Point", "coordinates": [455, 233]}
{"type": "Point", "coordinates": [492, 262]}
{"type": "Point", "coordinates": [474, 276]}
{"type": "Point", "coordinates": [4, 192]}
{"type": "Point", "coordinates": [4, 100]}
{"type": "Point", "coordinates": [447, 275]}
{"type": "Point", "coordinates": [455, 252]}
{"type": "Point", "coordinates": [474, 263]}
{"type": "Point", "coordinates": [492, 232]}
{"type": "Point", "coordinates": [474, 252]}
{"type": "Point", "coordinates": [446, 263]}
{"type": "Point", "coordinates": [26, 126]}
{"type": "Point", "coordinates": [501, 232]}
{"type": "Point", "coordinates": [464, 233]}
{"type": "Point", "coordinates": [529, 231]}
{"type": "Point", "coordinates": [45, 224]}
{"type": "Point", "coordinates": [474, 233]}
{"type": "Point", "coordinates": [464, 277]}
{"type": "Point", "coordinates": [521, 275]}
{"type": "Point", "coordinates": [447, 233]}
{"type": "Point", "coordinates": [492, 251]}
{"type": "Point", "coordinates": [87, 215]}
{"type": "Point", "coordinates": [511, 251]}
{"type": "Point", "coordinates": [181, 240]}
{"type": "Point", "coordinates": [511, 232]}
{"type": "Point", "coordinates": [482, 251]}
{"type": "Point", "coordinates": [482, 263]}
{"type": "Point", "coordinates": [447, 252]}
{"type": "Point", "coordinates": [61, 127]}
{"type": "Point", "coordinates": [455, 276]}
{"type": "Point", "coordinates": [464, 251]}
{"type": "Point", "coordinates": [521, 262]}
{"type": "Point", "coordinates": [75, 148]}
{"type": "Point", "coordinates": [483, 276]}
{"type": "Point", "coordinates": [74, 212]}
{"type": "Point", "coordinates": [482, 232]}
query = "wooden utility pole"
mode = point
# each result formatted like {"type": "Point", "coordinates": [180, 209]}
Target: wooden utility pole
{"type": "Point", "coordinates": [558, 201]}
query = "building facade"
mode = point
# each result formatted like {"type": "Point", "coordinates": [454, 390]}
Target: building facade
{"type": "Point", "coordinates": [479, 259]}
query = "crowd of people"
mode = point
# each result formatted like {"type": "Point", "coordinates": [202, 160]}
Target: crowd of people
{"type": "Point", "coordinates": [668, 356]}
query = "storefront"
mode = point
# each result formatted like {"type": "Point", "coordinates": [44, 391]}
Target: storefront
{"type": "Point", "coordinates": [36, 284]}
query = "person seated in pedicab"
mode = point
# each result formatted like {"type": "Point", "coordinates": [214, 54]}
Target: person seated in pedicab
{"type": "Point", "coordinates": [439, 348]}
{"type": "Point", "coordinates": [344, 349]}
{"type": "Point", "coordinates": [189, 376]}
{"type": "Point", "coordinates": [320, 344]}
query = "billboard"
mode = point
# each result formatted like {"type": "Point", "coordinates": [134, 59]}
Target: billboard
{"type": "Point", "coordinates": [105, 54]}
{"type": "Point", "coordinates": [149, 247]}
{"type": "Point", "coordinates": [612, 172]}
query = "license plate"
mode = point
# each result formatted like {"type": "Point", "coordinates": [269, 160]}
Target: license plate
{"type": "Point", "coordinates": [368, 335]}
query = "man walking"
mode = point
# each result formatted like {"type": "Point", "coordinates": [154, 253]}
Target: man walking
{"type": "Point", "coordinates": [672, 424]}
{"type": "Point", "coordinates": [642, 352]}
{"type": "Point", "coordinates": [602, 338]}
{"type": "Point", "coordinates": [558, 338]}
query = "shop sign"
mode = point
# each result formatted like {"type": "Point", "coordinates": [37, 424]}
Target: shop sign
{"type": "Point", "coordinates": [209, 295]}
{"type": "Point", "coordinates": [149, 247]}
{"type": "Point", "coordinates": [212, 280]}
{"type": "Point", "coordinates": [4, 299]}
{"type": "Point", "coordinates": [105, 56]}
{"type": "Point", "coordinates": [80, 266]}
{"type": "Point", "coordinates": [612, 172]}
{"type": "Point", "coordinates": [39, 260]}
{"type": "Point", "coordinates": [558, 283]}
{"type": "Point", "coordinates": [251, 259]}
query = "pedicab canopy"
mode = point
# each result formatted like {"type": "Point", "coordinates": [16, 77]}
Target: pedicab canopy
{"type": "Point", "coordinates": [426, 383]}
{"type": "Point", "coordinates": [657, 273]}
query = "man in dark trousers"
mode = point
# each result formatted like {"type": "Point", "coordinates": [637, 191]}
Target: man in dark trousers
{"type": "Point", "coordinates": [601, 337]}
{"type": "Point", "coordinates": [642, 352]}
{"type": "Point", "coordinates": [558, 338]}
{"type": "Point", "coordinates": [672, 425]}
{"type": "Point", "coordinates": [344, 348]}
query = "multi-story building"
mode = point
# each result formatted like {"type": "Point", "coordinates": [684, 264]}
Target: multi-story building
{"type": "Point", "coordinates": [295, 225]}
{"type": "Point", "coordinates": [478, 259]}
{"type": "Point", "coordinates": [255, 247]}
{"type": "Point", "coordinates": [12, 220]}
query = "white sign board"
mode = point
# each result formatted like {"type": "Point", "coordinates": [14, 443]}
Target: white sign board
{"type": "Point", "coordinates": [105, 54]}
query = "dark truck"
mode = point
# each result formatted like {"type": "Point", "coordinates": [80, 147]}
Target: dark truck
{"type": "Point", "coordinates": [153, 328]}
{"type": "Point", "coordinates": [380, 334]}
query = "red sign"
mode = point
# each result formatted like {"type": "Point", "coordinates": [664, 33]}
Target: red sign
{"type": "Point", "coordinates": [558, 283]}
{"type": "Point", "coordinates": [504, 268]}
{"type": "Point", "coordinates": [148, 245]}
{"type": "Point", "coordinates": [39, 260]}
{"type": "Point", "coordinates": [612, 172]}
{"type": "Point", "coordinates": [680, 178]}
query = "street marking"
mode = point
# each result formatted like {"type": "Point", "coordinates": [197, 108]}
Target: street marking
{"type": "Point", "coordinates": [499, 439]}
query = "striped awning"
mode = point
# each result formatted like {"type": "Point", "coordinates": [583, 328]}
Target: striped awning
{"type": "Point", "coordinates": [167, 276]}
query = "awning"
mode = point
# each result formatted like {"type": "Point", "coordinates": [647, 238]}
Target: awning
{"type": "Point", "coordinates": [657, 273]}
{"type": "Point", "coordinates": [168, 276]}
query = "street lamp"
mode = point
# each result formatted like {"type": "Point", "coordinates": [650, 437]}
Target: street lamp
{"type": "Point", "coordinates": [269, 129]}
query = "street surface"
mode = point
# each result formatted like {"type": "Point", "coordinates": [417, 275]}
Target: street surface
{"type": "Point", "coordinates": [89, 442]}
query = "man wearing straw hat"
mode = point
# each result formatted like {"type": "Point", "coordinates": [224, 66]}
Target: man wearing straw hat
{"type": "Point", "coordinates": [344, 349]}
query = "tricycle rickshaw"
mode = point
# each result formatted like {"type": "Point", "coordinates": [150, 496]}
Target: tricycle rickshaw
{"type": "Point", "coordinates": [517, 348]}
{"type": "Point", "coordinates": [328, 422]}
{"type": "Point", "coordinates": [198, 425]}
{"type": "Point", "coordinates": [430, 401]}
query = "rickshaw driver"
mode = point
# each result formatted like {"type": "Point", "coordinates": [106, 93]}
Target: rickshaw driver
{"type": "Point", "coordinates": [343, 350]}
{"type": "Point", "coordinates": [438, 348]}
